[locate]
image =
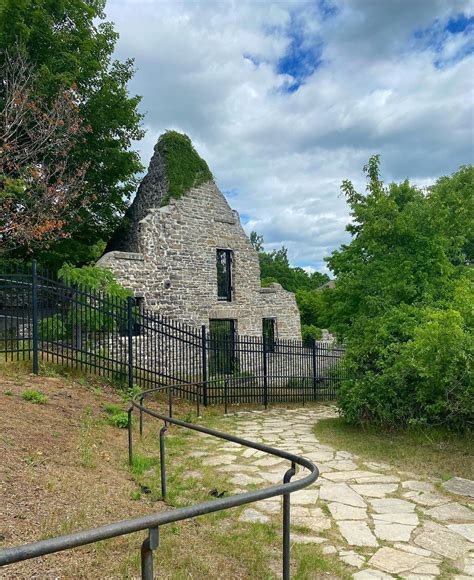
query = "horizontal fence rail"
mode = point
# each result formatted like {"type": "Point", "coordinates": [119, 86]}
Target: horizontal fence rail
{"type": "Point", "coordinates": [46, 320]}
{"type": "Point", "coordinates": [152, 522]}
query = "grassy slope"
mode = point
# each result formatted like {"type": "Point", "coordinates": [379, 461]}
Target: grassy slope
{"type": "Point", "coordinates": [432, 452]}
{"type": "Point", "coordinates": [66, 470]}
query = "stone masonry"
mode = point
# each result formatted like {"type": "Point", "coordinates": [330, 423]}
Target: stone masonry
{"type": "Point", "coordinates": [167, 255]}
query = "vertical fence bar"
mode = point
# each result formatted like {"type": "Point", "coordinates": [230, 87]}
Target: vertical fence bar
{"type": "Point", "coordinates": [204, 363]}
{"type": "Point", "coordinates": [226, 394]}
{"type": "Point", "coordinates": [265, 372]}
{"type": "Point", "coordinates": [170, 401]}
{"type": "Point", "coordinates": [315, 380]}
{"type": "Point", "coordinates": [130, 340]}
{"type": "Point", "coordinates": [34, 299]}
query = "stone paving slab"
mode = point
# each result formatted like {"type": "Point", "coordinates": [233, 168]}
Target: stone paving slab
{"type": "Point", "coordinates": [341, 493]}
{"type": "Point", "coordinates": [460, 486]}
{"type": "Point", "coordinates": [450, 512]}
{"type": "Point", "coordinates": [374, 489]}
{"type": "Point", "coordinates": [398, 561]}
{"type": "Point", "coordinates": [443, 541]}
{"type": "Point", "coordinates": [466, 530]}
{"type": "Point", "coordinates": [357, 533]}
{"type": "Point", "coordinates": [368, 505]}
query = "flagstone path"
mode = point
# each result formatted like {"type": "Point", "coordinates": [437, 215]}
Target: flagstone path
{"type": "Point", "coordinates": [382, 523]}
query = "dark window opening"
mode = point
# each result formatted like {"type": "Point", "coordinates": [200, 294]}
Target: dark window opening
{"type": "Point", "coordinates": [268, 331]}
{"type": "Point", "coordinates": [222, 359]}
{"type": "Point", "coordinates": [224, 275]}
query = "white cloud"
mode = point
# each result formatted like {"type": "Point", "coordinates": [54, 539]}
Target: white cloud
{"type": "Point", "coordinates": [211, 69]}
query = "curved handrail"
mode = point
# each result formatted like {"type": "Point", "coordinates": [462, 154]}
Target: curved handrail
{"type": "Point", "coordinates": [153, 521]}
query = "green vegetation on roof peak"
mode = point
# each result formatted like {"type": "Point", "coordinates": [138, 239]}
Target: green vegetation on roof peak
{"type": "Point", "coordinates": [185, 169]}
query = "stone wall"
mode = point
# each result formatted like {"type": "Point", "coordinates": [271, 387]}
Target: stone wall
{"type": "Point", "coordinates": [175, 271]}
{"type": "Point", "coordinates": [168, 257]}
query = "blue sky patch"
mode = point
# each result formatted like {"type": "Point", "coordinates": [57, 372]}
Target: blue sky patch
{"type": "Point", "coordinates": [459, 24]}
{"type": "Point", "coordinates": [302, 58]}
{"type": "Point", "coordinates": [434, 38]}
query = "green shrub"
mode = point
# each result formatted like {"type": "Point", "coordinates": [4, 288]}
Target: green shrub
{"type": "Point", "coordinates": [411, 366]}
{"type": "Point", "coordinates": [117, 417]}
{"type": "Point", "coordinates": [53, 328]}
{"type": "Point", "coordinates": [34, 397]}
{"type": "Point", "coordinates": [309, 332]}
{"type": "Point", "coordinates": [119, 420]}
{"type": "Point", "coordinates": [298, 382]}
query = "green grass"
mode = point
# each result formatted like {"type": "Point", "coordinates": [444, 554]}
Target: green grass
{"type": "Point", "coordinates": [117, 417]}
{"type": "Point", "coordinates": [430, 452]}
{"type": "Point", "coordinates": [36, 397]}
{"type": "Point", "coordinates": [312, 563]}
{"type": "Point", "coordinates": [140, 464]}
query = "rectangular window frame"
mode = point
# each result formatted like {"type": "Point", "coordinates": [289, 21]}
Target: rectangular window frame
{"type": "Point", "coordinates": [229, 260]}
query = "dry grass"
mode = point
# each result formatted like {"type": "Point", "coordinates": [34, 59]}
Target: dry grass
{"type": "Point", "coordinates": [436, 453]}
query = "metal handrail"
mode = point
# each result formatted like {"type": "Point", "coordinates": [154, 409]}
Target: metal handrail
{"type": "Point", "coordinates": [153, 521]}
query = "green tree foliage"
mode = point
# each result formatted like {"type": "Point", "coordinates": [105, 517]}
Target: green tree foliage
{"type": "Point", "coordinates": [275, 267]}
{"type": "Point", "coordinates": [404, 302]}
{"type": "Point", "coordinates": [87, 314]}
{"type": "Point", "coordinates": [70, 45]}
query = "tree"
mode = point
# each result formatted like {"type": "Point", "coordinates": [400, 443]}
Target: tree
{"type": "Point", "coordinates": [69, 46]}
{"type": "Point", "coordinates": [275, 267]}
{"type": "Point", "coordinates": [398, 254]}
{"type": "Point", "coordinates": [39, 191]}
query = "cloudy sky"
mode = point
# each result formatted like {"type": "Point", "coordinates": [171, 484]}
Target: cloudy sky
{"type": "Point", "coordinates": [286, 99]}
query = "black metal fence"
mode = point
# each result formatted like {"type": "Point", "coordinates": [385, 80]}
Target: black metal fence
{"type": "Point", "coordinates": [44, 319]}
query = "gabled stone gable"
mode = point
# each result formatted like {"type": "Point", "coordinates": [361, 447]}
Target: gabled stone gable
{"type": "Point", "coordinates": [170, 261]}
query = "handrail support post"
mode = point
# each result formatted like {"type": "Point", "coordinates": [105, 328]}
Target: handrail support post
{"type": "Point", "coordinates": [130, 441]}
{"type": "Point", "coordinates": [141, 415]}
{"type": "Point", "coordinates": [163, 461]}
{"type": "Point", "coordinates": [149, 544]}
{"type": "Point", "coordinates": [286, 524]}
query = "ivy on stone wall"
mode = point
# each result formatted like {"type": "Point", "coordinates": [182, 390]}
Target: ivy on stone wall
{"type": "Point", "coordinates": [184, 167]}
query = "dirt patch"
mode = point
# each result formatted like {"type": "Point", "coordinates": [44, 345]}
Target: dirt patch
{"type": "Point", "coordinates": [64, 469]}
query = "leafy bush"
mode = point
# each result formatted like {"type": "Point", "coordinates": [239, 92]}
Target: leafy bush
{"type": "Point", "coordinates": [54, 328]}
{"type": "Point", "coordinates": [410, 366]}
{"type": "Point", "coordinates": [119, 420]}
{"type": "Point", "coordinates": [309, 333]}
{"type": "Point", "coordinates": [34, 397]}
{"type": "Point", "coordinates": [299, 382]}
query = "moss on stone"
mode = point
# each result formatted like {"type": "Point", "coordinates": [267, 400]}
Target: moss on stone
{"type": "Point", "coordinates": [184, 167]}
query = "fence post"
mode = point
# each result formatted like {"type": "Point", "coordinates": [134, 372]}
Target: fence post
{"type": "Point", "coordinates": [204, 363]}
{"type": "Point", "coordinates": [130, 341]}
{"type": "Point", "coordinates": [315, 381]}
{"type": "Point", "coordinates": [34, 299]}
{"type": "Point", "coordinates": [265, 372]}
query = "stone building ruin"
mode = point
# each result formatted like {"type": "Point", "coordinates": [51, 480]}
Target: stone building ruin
{"type": "Point", "coordinates": [182, 251]}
